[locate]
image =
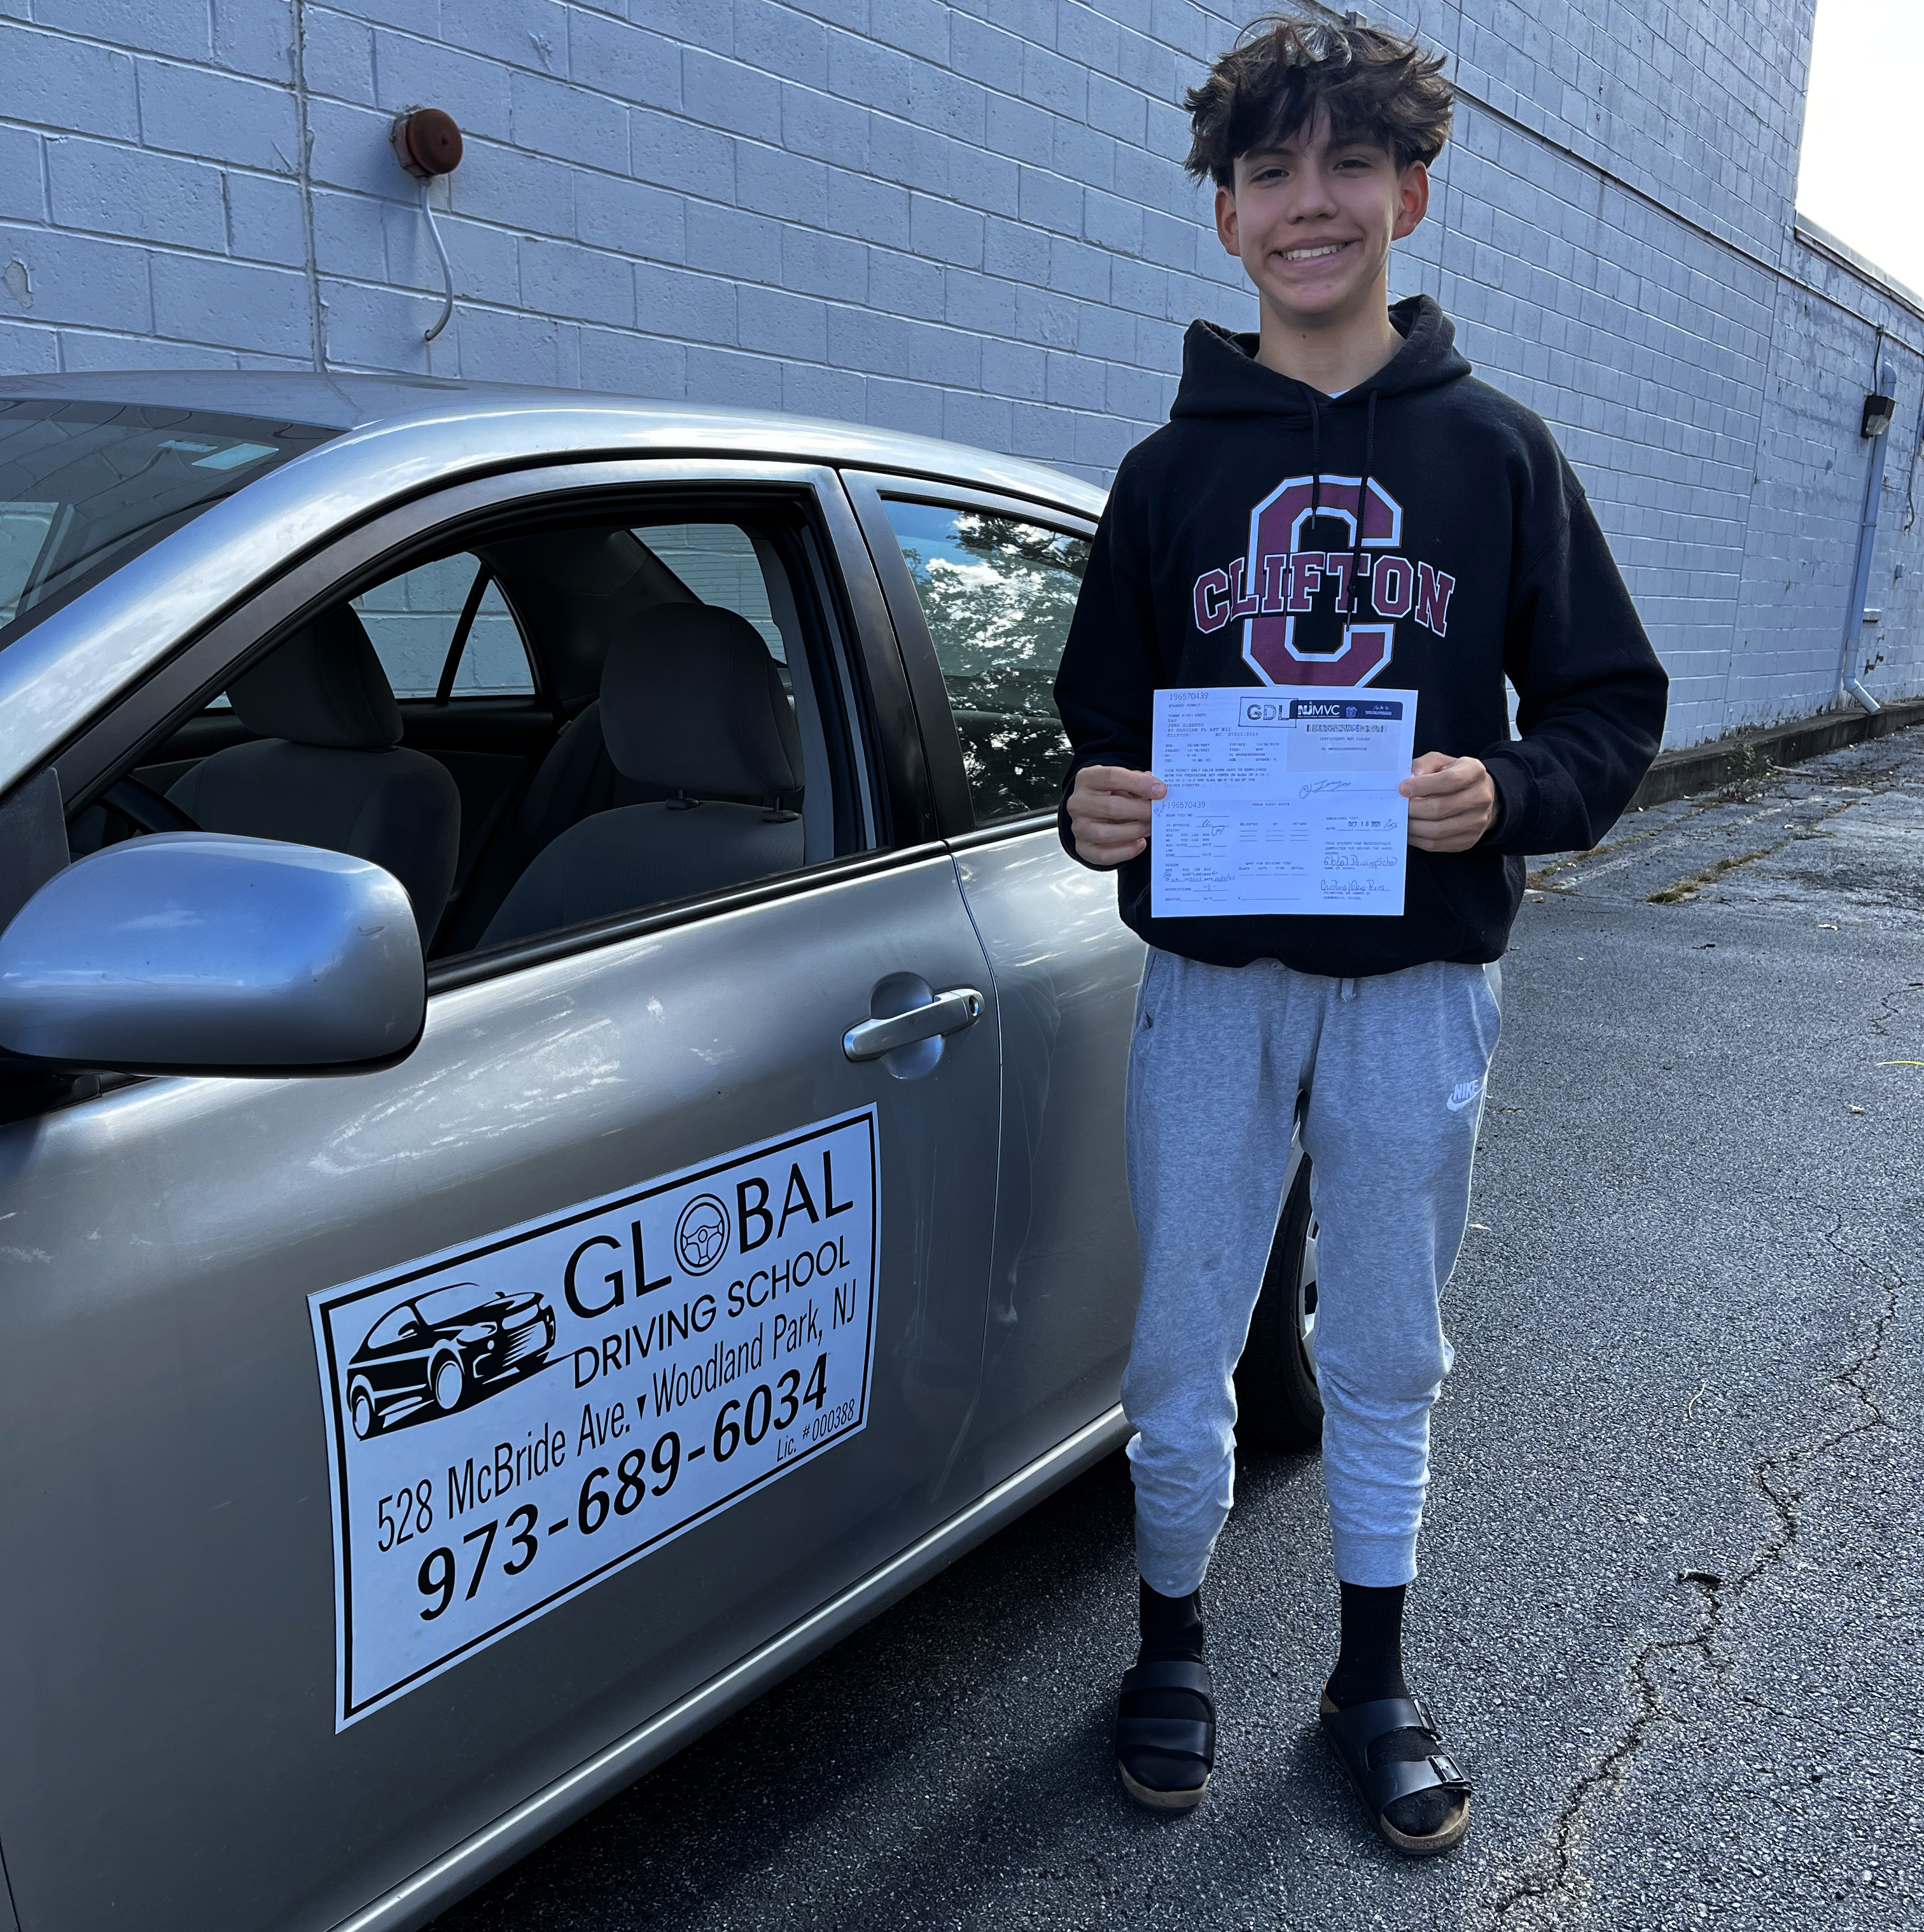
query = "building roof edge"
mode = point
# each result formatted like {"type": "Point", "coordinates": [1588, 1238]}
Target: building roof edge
{"type": "Point", "coordinates": [1822, 242]}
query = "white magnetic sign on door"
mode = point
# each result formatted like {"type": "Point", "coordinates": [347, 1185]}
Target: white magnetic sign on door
{"type": "Point", "coordinates": [510, 1421]}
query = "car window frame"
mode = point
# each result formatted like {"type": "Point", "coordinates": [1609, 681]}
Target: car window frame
{"type": "Point", "coordinates": [949, 776]}
{"type": "Point", "coordinates": [485, 581]}
{"type": "Point", "coordinates": [875, 695]}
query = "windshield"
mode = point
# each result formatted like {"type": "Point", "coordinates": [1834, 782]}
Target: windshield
{"type": "Point", "coordinates": [85, 486]}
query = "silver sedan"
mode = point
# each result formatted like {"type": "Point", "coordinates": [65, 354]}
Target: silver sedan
{"type": "Point", "coordinates": [560, 1106]}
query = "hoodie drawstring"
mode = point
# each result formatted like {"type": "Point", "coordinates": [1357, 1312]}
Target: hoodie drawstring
{"type": "Point", "coordinates": [1362, 505]}
{"type": "Point", "coordinates": [1315, 461]}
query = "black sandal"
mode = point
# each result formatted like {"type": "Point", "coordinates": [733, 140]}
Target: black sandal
{"type": "Point", "coordinates": [1161, 1748]}
{"type": "Point", "coordinates": [1351, 1733]}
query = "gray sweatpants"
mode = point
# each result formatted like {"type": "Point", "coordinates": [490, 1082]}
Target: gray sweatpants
{"type": "Point", "coordinates": [1394, 1067]}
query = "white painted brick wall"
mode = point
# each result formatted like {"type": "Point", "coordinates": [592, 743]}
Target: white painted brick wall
{"type": "Point", "coordinates": [971, 220]}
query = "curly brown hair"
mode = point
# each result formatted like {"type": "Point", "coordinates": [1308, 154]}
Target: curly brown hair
{"type": "Point", "coordinates": [1285, 71]}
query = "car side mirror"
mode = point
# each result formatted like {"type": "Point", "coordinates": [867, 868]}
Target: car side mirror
{"type": "Point", "coordinates": [198, 953]}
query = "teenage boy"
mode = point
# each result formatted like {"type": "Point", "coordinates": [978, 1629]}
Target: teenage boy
{"type": "Point", "coordinates": [1335, 502]}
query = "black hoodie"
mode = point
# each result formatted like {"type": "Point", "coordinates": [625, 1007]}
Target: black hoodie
{"type": "Point", "coordinates": [1228, 541]}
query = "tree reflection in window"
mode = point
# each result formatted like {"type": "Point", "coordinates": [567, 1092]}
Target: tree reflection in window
{"type": "Point", "coordinates": [998, 594]}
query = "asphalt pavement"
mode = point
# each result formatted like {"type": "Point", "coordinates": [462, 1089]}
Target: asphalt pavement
{"type": "Point", "coordinates": [1673, 1565]}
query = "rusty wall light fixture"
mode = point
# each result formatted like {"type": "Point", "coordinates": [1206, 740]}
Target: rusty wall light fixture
{"type": "Point", "coordinates": [427, 143]}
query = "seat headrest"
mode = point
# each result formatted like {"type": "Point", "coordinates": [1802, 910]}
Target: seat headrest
{"type": "Point", "coordinates": [323, 686]}
{"type": "Point", "coordinates": [693, 702]}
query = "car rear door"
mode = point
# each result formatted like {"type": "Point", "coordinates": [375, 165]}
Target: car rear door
{"type": "Point", "coordinates": [264, 1657]}
{"type": "Point", "coordinates": [981, 588]}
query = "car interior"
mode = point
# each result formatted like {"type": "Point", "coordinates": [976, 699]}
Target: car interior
{"type": "Point", "coordinates": [543, 730]}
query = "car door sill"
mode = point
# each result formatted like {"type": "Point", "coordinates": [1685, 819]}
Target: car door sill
{"type": "Point", "coordinates": [495, 1847]}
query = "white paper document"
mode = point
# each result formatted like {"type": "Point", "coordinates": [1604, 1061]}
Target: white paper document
{"type": "Point", "coordinates": [1280, 800]}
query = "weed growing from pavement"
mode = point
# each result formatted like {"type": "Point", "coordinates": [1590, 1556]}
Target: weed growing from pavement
{"type": "Point", "coordinates": [1689, 888]}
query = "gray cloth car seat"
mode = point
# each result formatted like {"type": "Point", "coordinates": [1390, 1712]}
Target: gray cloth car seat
{"type": "Point", "coordinates": [694, 704]}
{"type": "Point", "coordinates": [575, 779]}
{"type": "Point", "coordinates": [328, 769]}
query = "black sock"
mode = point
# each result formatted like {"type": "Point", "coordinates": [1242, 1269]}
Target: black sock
{"type": "Point", "coordinates": [1172, 1627]}
{"type": "Point", "coordinates": [1370, 1664]}
{"type": "Point", "coordinates": [1172, 1631]}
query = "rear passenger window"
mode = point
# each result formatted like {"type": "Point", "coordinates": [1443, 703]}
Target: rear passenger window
{"type": "Point", "coordinates": [717, 563]}
{"type": "Point", "coordinates": [998, 593]}
{"type": "Point", "coordinates": [444, 629]}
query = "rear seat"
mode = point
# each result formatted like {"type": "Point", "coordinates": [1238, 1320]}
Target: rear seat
{"type": "Point", "coordinates": [698, 703]}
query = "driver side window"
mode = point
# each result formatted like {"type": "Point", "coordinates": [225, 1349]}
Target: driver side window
{"type": "Point", "coordinates": [662, 717]}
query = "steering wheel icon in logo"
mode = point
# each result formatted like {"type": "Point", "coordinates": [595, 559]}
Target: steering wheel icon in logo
{"type": "Point", "coordinates": [701, 1234]}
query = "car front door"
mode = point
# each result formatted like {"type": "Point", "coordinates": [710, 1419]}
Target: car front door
{"type": "Point", "coordinates": [266, 1651]}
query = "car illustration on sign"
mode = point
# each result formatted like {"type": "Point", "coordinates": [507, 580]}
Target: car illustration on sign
{"type": "Point", "coordinates": [439, 1349]}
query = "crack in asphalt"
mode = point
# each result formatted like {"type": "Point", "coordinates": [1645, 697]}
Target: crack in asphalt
{"type": "Point", "coordinates": [1888, 1010]}
{"type": "Point", "coordinates": [1754, 789]}
{"type": "Point", "coordinates": [1688, 888]}
{"type": "Point", "coordinates": [1641, 836]}
{"type": "Point", "coordinates": [1560, 1884]}
{"type": "Point", "coordinates": [1677, 832]}
{"type": "Point", "coordinates": [1680, 891]}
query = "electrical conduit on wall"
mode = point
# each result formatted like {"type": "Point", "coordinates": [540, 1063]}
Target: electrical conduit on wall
{"type": "Point", "coordinates": [305, 180]}
{"type": "Point", "coordinates": [1878, 407]}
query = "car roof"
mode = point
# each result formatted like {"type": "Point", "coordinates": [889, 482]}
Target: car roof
{"type": "Point", "coordinates": [355, 402]}
{"type": "Point", "coordinates": [399, 435]}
